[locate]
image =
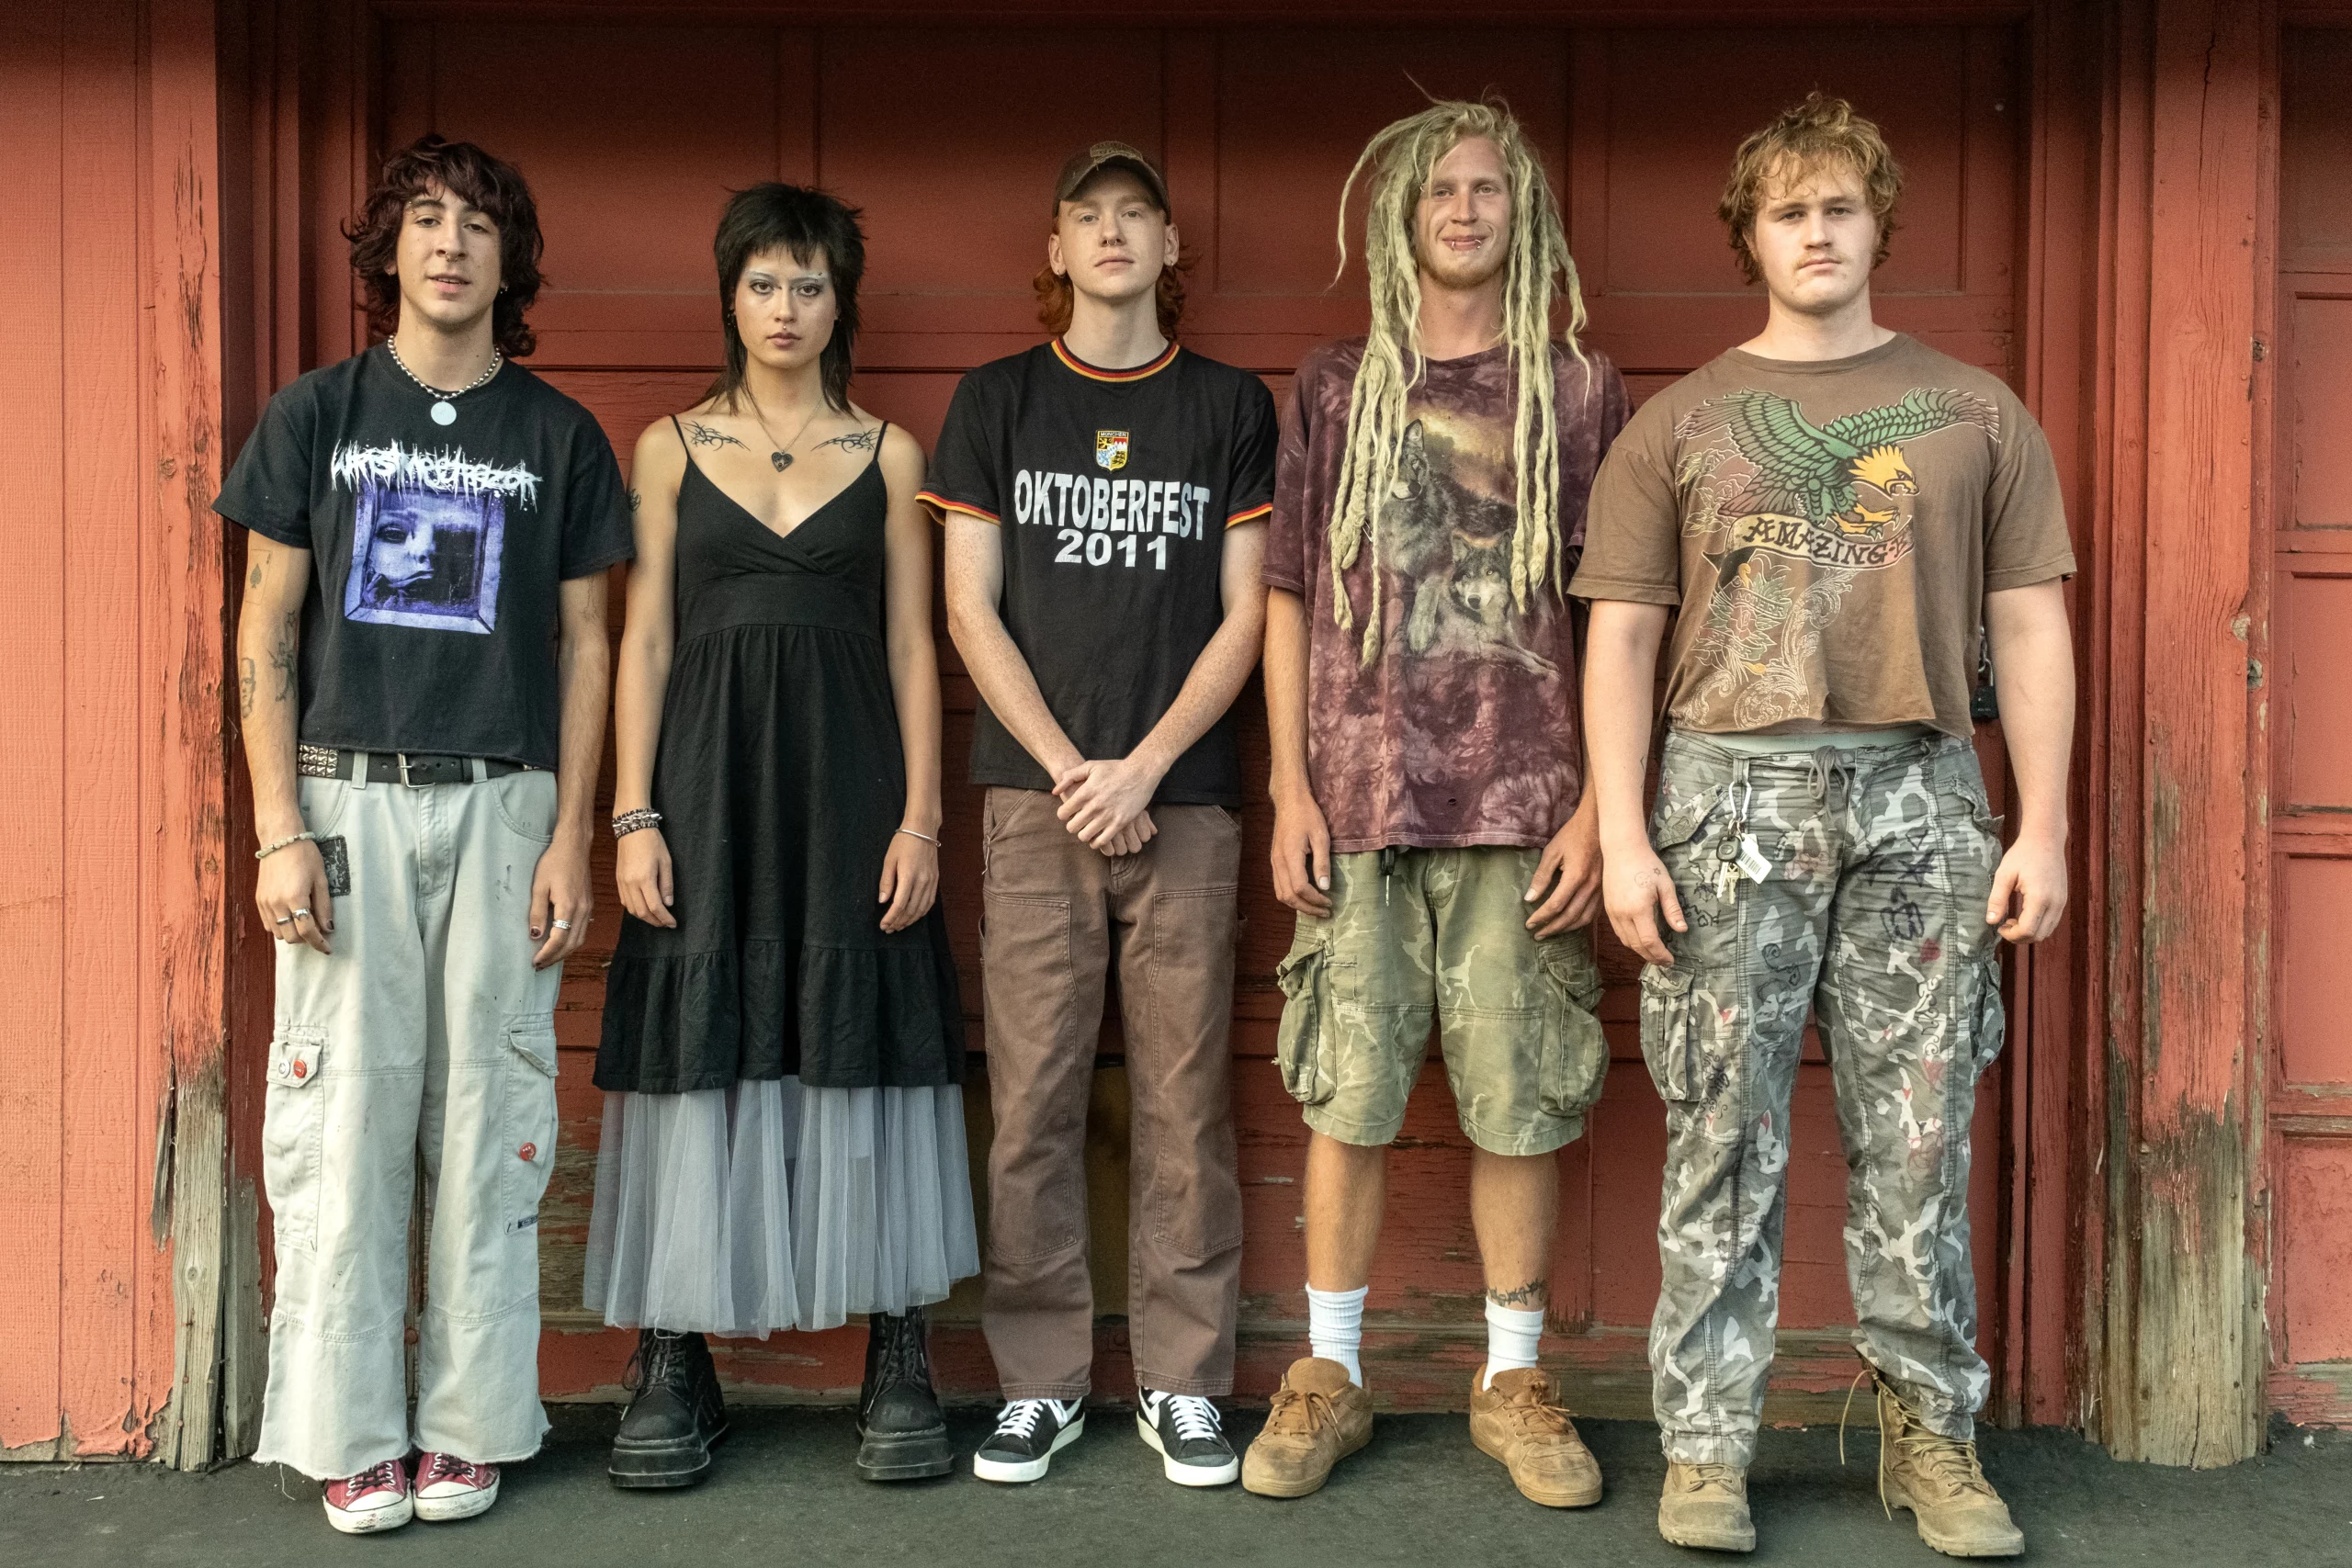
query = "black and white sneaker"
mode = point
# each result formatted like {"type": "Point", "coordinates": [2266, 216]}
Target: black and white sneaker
{"type": "Point", "coordinates": [1028, 1435]}
{"type": "Point", "coordinates": [1187, 1433]}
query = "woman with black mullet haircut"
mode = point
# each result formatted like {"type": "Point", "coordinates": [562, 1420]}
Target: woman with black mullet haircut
{"type": "Point", "coordinates": [783, 1045]}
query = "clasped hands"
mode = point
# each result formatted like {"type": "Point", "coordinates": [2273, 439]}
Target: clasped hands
{"type": "Point", "coordinates": [1104, 802]}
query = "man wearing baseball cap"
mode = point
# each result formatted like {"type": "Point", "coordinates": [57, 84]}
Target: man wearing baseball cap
{"type": "Point", "coordinates": [1105, 495]}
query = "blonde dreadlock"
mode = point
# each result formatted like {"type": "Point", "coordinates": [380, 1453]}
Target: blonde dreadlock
{"type": "Point", "coordinates": [1537, 270]}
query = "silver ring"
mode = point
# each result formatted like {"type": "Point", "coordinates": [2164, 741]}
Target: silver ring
{"type": "Point", "coordinates": [300, 915]}
{"type": "Point", "coordinates": [285, 920]}
{"type": "Point", "coordinates": [564, 925]}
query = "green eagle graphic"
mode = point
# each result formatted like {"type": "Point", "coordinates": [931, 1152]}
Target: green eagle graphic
{"type": "Point", "coordinates": [1809, 470]}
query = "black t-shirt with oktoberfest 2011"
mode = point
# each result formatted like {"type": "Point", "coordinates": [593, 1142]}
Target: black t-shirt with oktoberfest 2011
{"type": "Point", "coordinates": [1114, 490]}
{"type": "Point", "coordinates": [435, 552]}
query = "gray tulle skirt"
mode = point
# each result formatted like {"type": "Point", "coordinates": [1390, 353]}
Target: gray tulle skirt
{"type": "Point", "coordinates": [764, 1206]}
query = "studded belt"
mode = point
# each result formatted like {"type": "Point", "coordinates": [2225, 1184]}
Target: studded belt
{"type": "Point", "coordinates": [399, 767]}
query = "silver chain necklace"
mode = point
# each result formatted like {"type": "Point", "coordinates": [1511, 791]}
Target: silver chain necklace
{"type": "Point", "coordinates": [782, 455]}
{"type": "Point", "coordinates": [445, 411]}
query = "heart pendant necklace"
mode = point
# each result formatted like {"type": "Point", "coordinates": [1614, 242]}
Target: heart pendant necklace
{"type": "Point", "coordinates": [782, 455]}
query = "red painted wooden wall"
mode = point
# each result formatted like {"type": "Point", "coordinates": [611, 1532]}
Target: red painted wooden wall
{"type": "Point", "coordinates": [1257, 127]}
{"type": "Point", "coordinates": [2310, 1099]}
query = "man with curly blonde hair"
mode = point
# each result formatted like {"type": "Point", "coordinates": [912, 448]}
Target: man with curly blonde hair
{"type": "Point", "coordinates": [1431, 829]}
{"type": "Point", "coordinates": [1841, 514]}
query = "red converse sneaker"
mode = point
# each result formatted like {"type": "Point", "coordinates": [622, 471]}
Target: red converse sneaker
{"type": "Point", "coordinates": [450, 1488]}
{"type": "Point", "coordinates": [374, 1499]}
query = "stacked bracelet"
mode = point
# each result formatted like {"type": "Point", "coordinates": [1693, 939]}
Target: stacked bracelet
{"type": "Point", "coordinates": [268, 849]}
{"type": "Point", "coordinates": [628, 822]}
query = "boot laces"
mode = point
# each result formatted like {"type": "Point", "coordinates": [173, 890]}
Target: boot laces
{"type": "Point", "coordinates": [1723, 1478]}
{"type": "Point", "coordinates": [1944, 1462]}
{"type": "Point", "coordinates": [658, 1351]}
{"type": "Point", "coordinates": [903, 1356]}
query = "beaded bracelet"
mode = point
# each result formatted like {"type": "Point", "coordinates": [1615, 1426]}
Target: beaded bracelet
{"type": "Point", "coordinates": [268, 849]}
{"type": "Point", "coordinates": [628, 822]}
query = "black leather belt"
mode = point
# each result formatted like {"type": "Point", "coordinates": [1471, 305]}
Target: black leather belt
{"type": "Point", "coordinates": [400, 767]}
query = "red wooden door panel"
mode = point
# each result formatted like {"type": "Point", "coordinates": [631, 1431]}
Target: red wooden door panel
{"type": "Point", "coordinates": [2310, 1090]}
{"type": "Point", "coordinates": [1257, 127]}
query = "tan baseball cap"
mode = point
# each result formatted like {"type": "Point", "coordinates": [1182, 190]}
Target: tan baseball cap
{"type": "Point", "coordinates": [1085, 164]}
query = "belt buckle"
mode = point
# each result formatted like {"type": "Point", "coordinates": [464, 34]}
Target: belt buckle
{"type": "Point", "coordinates": [401, 758]}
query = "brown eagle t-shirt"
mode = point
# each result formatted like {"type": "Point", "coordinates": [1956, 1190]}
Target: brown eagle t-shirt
{"type": "Point", "coordinates": [1830, 529]}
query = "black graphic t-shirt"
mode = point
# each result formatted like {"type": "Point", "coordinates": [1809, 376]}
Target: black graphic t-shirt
{"type": "Point", "coordinates": [1114, 490]}
{"type": "Point", "coordinates": [436, 551]}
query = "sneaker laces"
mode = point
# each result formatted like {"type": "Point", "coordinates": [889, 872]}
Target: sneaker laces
{"type": "Point", "coordinates": [1535, 1410]}
{"type": "Point", "coordinates": [1020, 1417]}
{"type": "Point", "coordinates": [1299, 1412]}
{"type": "Point", "coordinates": [385, 1476]}
{"type": "Point", "coordinates": [1196, 1419]}
{"type": "Point", "coordinates": [449, 1467]}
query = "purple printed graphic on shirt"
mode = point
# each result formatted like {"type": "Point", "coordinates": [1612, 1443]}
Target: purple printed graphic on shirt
{"type": "Point", "coordinates": [428, 535]}
{"type": "Point", "coordinates": [1463, 731]}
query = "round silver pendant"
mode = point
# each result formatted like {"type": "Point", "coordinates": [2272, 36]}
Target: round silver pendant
{"type": "Point", "coordinates": [445, 412]}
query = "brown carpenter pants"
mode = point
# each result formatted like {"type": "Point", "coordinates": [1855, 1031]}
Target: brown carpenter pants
{"type": "Point", "coordinates": [1058, 914]}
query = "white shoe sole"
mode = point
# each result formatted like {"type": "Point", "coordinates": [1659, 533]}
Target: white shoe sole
{"type": "Point", "coordinates": [989, 1469]}
{"type": "Point", "coordinates": [368, 1522]}
{"type": "Point", "coordinates": [1187, 1474]}
{"type": "Point", "coordinates": [464, 1506]}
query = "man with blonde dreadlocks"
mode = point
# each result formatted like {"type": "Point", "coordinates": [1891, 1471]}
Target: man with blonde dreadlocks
{"type": "Point", "coordinates": [1431, 828]}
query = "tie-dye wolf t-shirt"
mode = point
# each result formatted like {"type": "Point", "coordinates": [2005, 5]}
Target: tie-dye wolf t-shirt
{"type": "Point", "coordinates": [1461, 728]}
{"type": "Point", "coordinates": [436, 551]}
{"type": "Point", "coordinates": [1830, 530]}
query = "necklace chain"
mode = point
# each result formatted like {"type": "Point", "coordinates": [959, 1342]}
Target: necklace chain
{"type": "Point", "coordinates": [497, 358]}
{"type": "Point", "coordinates": [782, 455]}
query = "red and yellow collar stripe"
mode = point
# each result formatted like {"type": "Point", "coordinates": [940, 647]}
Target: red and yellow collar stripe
{"type": "Point", "coordinates": [1092, 374]}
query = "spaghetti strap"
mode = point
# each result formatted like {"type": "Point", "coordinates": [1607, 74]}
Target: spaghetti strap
{"type": "Point", "coordinates": [682, 436]}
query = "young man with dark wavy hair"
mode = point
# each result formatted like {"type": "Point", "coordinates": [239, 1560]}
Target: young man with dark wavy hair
{"type": "Point", "coordinates": [1834, 519]}
{"type": "Point", "coordinates": [1104, 495]}
{"type": "Point", "coordinates": [422, 677]}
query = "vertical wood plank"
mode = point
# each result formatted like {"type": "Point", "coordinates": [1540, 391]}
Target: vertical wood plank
{"type": "Point", "coordinates": [107, 1147]}
{"type": "Point", "coordinates": [183, 706]}
{"type": "Point", "coordinates": [2193, 1350]}
{"type": "Point", "coordinates": [32, 601]}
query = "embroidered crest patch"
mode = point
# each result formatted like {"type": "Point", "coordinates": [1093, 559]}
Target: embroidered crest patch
{"type": "Point", "coordinates": [1111, 449]}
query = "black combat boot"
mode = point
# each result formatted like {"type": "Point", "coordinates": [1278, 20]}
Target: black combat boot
{"type": "Point", "coordinates": [901, 1434]}
{"type": "Point", "coordinates": [677, 1416]}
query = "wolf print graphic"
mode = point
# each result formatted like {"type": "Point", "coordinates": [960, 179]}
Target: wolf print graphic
{"type": "Point", "coordinates": [428, 534]}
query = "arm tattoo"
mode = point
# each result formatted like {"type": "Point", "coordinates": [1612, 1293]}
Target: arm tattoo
{"type": "Point", "coordinates": [856, 440]}
{"type": "Point", "coordinates": [253, 578]}
{"type": "Point", "coordinates": [1534, 1294]}
{"type": "Point", "coordinates": [282, 654]}
{"type": "Point", "coordinates": [245, 685]}
{"type": "Point", "coordinates": [633, 499]}
{"type": "Point", "coordinates": [703, 435]}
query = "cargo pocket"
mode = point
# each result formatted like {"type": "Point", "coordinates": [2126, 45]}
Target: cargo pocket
{"type": "Point", "coordinates": [1305, 979]}
{"type": "Point", "coordinates": [529, 1123]}
{"type": "Point", "coordinates": [1671, 1033]}
{"type": "Point", "coordinates": [1986, 1017]}
{"type": "Point", "coordinates": [293, 1134]}
{"type": "Point", "coordinates": [1576, 1054]}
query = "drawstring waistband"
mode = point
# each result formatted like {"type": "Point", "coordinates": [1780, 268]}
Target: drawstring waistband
{"type": "Point", "coordinates": [1826, 764]}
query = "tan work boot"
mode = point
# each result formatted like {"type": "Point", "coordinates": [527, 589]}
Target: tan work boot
{"type": "Point", "coordinates": [1939, 1480]}
{"type": "Point", "coordinates": [1705, 1505]}
{"type": "Point", "coordinates": [1318, 1419]}
{"type": "Point", "coordinates": [1518, 1419]}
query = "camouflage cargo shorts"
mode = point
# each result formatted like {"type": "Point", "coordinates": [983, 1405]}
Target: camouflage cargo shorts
{"type": "Point", "coordinates": [1441, 936]}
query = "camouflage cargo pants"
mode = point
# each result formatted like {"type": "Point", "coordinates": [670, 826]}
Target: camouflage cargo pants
{"type": "Point", "coordinates": [1875, 862]}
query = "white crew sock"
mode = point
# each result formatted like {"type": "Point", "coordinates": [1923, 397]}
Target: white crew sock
{"type": "Point", "coordinates": [1512, 1335]}
{"type": "Point", "coordinates": [1335, 1328]}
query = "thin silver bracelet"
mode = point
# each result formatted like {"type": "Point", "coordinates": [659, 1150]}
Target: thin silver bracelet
{"type": "Point", "coordinates": [268, 849]}
{"type": "Point", "coordinates": [911, 833]}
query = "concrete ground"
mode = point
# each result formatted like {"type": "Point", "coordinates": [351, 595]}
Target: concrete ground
{"type": "Point", "coordinates": [1420, 1495]}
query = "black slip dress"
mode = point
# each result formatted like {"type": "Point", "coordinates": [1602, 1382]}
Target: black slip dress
{"type": "Point", "coordinates": [780, 779]}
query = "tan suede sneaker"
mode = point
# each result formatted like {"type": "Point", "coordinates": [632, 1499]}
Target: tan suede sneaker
{"type": "Point", "coordinates": [1318, 1419]}
{"type": "Point", "coordinates": [1939, 1480]}
{"type": "Point", "coordinates": [1518, 1419]}
{"type": "Point", "coordinates": [1705, 1505]}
